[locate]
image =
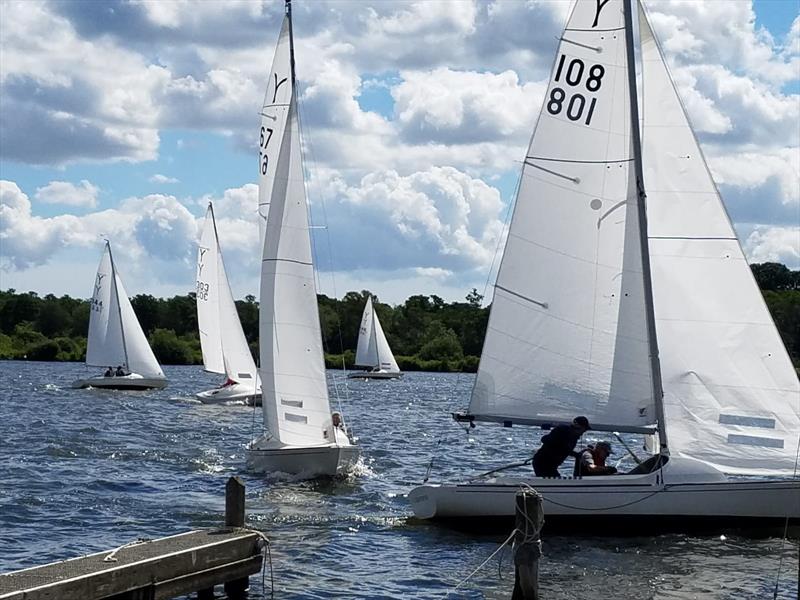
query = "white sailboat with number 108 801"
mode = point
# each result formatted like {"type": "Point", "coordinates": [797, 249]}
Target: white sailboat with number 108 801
{"type": "Point", "coordinates": [590, 289]}
{"type": "Point", "coordinates": [301, 435]}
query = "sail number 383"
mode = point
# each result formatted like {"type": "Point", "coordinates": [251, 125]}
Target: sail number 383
{"type": "Point", "coordinates": [574, 104]}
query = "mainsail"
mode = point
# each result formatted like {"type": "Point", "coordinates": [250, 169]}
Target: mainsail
{"type": "Point", "coordinates": [294, 387]}
{"type": "Point", "coordinates": [274, 117]}
{"type": "Point", "coordinates": [567, 333]}
{"type": "Point", "coordinates": [731, 395]}
{"type": "Point", "coordinates": [222, 340]}
{"type": "Point", "coordinates": [115, 336]}
{"type": "Point", "coordinates": [373, 349]}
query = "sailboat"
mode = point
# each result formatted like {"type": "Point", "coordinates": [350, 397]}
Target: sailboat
{"type": "Point", "coordinates": [116, 338]}
{"type": "Point", "coordinates": [301, 435]}
{"type": "Point", "coordinates": [644, 322]}
{"type": "Point", "coordinates": [222, 339]}
{"type": "Point", "coordinates": [373, 350]}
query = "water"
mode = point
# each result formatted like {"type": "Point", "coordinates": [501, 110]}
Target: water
{"type": "Point", "coordinates": [84, 471]}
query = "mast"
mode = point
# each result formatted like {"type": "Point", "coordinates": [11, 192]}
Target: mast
{"type": "Point", "coordinates": [641, 197]}
{"type": "Point", "coordinates": [291, 40]}
{"type": "Point", "coordinates": [119, 307]}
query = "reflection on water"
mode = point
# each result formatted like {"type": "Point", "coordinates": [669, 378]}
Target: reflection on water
{"type": "Point", "coordinates": [84, 471]}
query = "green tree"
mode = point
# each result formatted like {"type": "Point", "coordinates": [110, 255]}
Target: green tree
{"type": "Point", "coordinates": [169, 349]}
{"type": "Point", "coordinates": [442, 344]}
{"type": "Point", "coordinates": [775, 276]}
{"type": "Point", "coordinates": [148, 311]}
{"type": "Point", "coordinates": [54, 318]}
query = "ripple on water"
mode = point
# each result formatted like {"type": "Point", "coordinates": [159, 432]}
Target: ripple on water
{"type": "Point", "coordinates": [88, 470]}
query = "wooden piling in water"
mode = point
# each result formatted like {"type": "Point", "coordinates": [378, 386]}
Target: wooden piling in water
{"type": "Point", "coordinates": [527, 545]}
{"type": "Point", "coordinates": [152, 570]}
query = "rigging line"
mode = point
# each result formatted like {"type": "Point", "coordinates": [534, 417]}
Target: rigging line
{"type": "Point", "coordinates": [786, 528]}
{"type": "Point", "coordinates": [581, 162]}
{"type": "Point", "coordinates": [480, 566]}
{"type": "Point", "coordinates": [301, 111]}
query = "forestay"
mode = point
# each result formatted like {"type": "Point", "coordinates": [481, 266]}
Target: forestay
{"type": "Point", "coordinates": [224, 346]}
{"type": "Point", "coordinates": [567, 332]}
{"type": "Point", "coordinates": [373, 349]}
{"type": "Point", "coordinates": [731, 396]}
{"type": "Point", "coordinates": [274, 115]}
{"type": "Point", "coordinates": [294, 387]}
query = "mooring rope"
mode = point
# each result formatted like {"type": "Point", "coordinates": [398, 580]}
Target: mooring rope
{"type": "Point", "coordinates": [483, 564]}
{"type": "Point", "coordinates": [112, 556]}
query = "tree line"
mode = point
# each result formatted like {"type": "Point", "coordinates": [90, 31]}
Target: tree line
{"type": "Point", "coordinates": [425, 332]}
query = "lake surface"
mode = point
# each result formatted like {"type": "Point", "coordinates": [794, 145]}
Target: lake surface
{"type": "Point", "coordinates": [83, 471]}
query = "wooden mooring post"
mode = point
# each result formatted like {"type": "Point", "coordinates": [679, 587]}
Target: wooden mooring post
{"type": "Point", "coordinates": [153, 570]}
{"type": "Point", "coordinates": [527, 545]}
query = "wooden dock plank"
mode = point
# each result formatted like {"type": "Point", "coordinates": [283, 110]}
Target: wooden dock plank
{"type": "Point", "coordinates": [208, 578]}
{"type": "Point", "coordinates": [152, 562]}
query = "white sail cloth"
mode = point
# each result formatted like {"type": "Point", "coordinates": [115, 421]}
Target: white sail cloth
{"type": "Point", "coordinates": [294, 387]}
{"type": "Point", "coordinates": [731, 395]}
{"type": "Point", "coordinates": [274, 117]}
{"type": "Point", "coordinates": [373, 349]}
{"type": "Point", "coordinates": [222, 340]}
{"type": "Point", "coordinates": [115, 336]}
{"type": "Point", "coordinates": [567, 332]}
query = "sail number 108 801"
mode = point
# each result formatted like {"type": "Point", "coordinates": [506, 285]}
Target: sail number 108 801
{"type": "Point", "coordinates": [575, 104]}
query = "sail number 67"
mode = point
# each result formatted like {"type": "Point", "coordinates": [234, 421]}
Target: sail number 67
{"type": "Point", "coordinates": [575, 103]}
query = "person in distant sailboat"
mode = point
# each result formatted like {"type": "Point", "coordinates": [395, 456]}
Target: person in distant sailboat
{"type": "Point", "coordinates": [119, 372]}
{"type": "Point", "coordinates": [592, 461]}
{"type": "Point", "coordinates": [109, 372]}
{"type": "Point", "coordinates": [557, 446]}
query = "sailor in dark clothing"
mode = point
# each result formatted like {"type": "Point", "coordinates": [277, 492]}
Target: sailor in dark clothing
{"type": "Point", "coordinates": [557, 446]}
{"type": "Point", "coordinates": [119, 372]}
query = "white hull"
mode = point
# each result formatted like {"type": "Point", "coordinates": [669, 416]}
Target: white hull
{"type": "Point", "coordinates": [685, 492]}
{"type": "Point", "coordinates": [126, 382]}
{"type": "Point", "coordinates": [238, 392]}
{"type": "Point", "coordinates": [374, 375]}
{"type": "Point", "coordinates": [303, 461]}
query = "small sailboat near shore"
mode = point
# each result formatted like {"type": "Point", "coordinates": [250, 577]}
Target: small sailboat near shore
{"type": "Point", "coordinates": [116, 337]}
{"type": "Point", "coordinates": [301, 435]}
{"type": "Point", "coordinates": [646, 323]}
{"type": "Point", "coordinates": [222, 340]}
{"type": "Point", "coordinates": [373, 350]}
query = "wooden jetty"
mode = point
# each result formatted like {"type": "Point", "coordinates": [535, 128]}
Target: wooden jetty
{"type": "Point", "coordinates": [150, 570]}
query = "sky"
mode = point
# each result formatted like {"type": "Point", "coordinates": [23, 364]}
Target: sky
{"type": "Point", "coordinates": [123, 119]}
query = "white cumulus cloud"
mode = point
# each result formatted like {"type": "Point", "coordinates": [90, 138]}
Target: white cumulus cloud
{"type": "Point", "coordinates": [64, 192]}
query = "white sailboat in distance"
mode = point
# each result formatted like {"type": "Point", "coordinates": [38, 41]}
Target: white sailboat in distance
{"type": "Point", "coordinates": [222, 340]}
{"type": "Point", "coordinates": [301, 436]}
{"type": "Point", "coordinates": [373, 350]}
{"type": "Point", "coordinates": [116, 341]}
{"type": "Point", "coordinates": [591, 288]}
